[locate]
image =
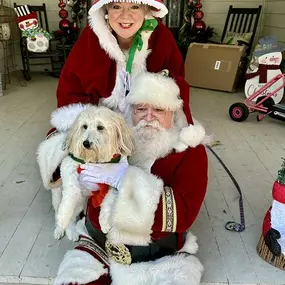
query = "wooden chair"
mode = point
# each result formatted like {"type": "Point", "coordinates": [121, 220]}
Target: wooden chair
{"type": "Point", "coordinates": [27, 56]}
{"type": "Point", "coordinates": [242, 20]}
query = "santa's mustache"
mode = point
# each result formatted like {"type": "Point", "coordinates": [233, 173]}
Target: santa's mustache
{"type": "Point", "coordinates": [154, 124]}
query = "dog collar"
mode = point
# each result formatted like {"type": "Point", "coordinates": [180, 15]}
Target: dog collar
{"type": "Point", "coordinates": [116, 158]}
{"type": "Point", "coordinates": [81, 161]}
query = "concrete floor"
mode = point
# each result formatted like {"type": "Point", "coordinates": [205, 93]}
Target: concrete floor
{"type": "Point", "coordinates": [252, 151]}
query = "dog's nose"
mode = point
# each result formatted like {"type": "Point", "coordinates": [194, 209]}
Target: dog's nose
{"type": "Point", "coordinates": [87, 144]}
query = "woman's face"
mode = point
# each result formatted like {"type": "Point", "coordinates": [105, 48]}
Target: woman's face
{"type": "Point", "coordinates": [126, 18]}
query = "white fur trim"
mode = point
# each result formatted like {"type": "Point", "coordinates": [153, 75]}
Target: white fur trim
{"type": "Point", "coordinates": [79, 267]}
{"type": "Point", "coordinates": [190, 245]}
{"type": "Point", "coordinates": [117, 100]}
{"type": "Point", "coordinates": [135, 207]}
{"type": "Point", "coordinates": [277, 217]}
{"type": "Point", "coordinates": [106, 211]}
{"type": "Point", "coordinates": [192, 135]}
{"type": "Point", "coordinates": [179, 269]}
{"type": "Point", "coordinates": [155, 89]}
{"type": "Point", "coordinates": [63, 118]}
{"type": "Point", "coordinates": [50, 153]}
{"type": "Point", "coordinates": [162, 10]}
{"type": "Point", "coordinates": [106, 39]}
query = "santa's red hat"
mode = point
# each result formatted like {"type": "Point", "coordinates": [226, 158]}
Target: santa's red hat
{"type": "Point", "coordinates": [24, 14]}
{"type": "Point", "coordinates": [158, 8]}
{"type": "Point", "coordinates": [155, 89]}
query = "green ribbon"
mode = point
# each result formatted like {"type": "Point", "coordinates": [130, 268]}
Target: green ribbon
{"type": "Point", "coordinates": [148, 25]}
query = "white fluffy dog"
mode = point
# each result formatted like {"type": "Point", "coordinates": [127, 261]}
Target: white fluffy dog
{"type": "Point", "coordinates": [95, 136]}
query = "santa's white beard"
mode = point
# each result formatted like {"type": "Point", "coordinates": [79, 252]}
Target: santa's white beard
{"type": "Point", "coordinates": [151, 143]}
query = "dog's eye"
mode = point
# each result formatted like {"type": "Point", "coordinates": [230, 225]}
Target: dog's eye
{"type": "Point", "coordinates": [100, 128]}
{"type": "Point", "coordinates": [85, 127]}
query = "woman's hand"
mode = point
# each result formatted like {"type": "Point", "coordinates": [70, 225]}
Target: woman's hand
{"type": "Point", "coordinates": [104, 173]}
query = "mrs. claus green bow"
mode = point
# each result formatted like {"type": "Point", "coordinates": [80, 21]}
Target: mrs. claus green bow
{"type": "Point", "coordinates": [148, 25]}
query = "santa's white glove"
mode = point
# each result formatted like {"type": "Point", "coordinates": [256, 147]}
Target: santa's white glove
{"type": "Point", "coordinates": [105, 173]}
{"type": "Point", "coordinates": [86, 184]}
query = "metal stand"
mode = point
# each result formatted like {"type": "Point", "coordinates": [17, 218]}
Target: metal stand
{"type": "Point", "coordinates": [9, 65]}
{"type": "Point", "coordinates": [7, 44]}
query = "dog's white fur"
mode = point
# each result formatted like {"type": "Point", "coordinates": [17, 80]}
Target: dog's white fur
{"type": "Point", "coordinates": [107, 134]}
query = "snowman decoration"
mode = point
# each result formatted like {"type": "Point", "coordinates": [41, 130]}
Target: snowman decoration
{"type": "Point", "coordinates": [37, 38]}
{"type": "Point", "coordinates": [271, 246]}
{"type": "Point", "coordinates": [264, 66]}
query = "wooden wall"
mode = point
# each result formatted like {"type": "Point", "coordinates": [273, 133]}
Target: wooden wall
{"type": "Point", "coordinates": [274, 19]}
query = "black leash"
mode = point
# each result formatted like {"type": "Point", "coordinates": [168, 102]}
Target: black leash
{"type": "Point", "coordinates": [231, 225]}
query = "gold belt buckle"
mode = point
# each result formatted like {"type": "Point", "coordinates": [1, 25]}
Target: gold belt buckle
{"type": "Point", "coordinates": [118, 252]}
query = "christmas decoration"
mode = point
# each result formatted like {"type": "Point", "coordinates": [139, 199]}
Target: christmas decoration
{"type": "Point", "coordinates": [271, 246]}
{"type": "Point", "coordinates": [194, 29]}
{"type": "Point", "coordinates": [199, 24]}
{"type": "Point", "coordinates": [70, 29]}
{"type": "Point", "coordinates": [77, 12]}
{"type": "Point", "coordinates": [64, 23]}
{"type": "Point", "coordinates": [37, 38]}
{"type": "Point", "coordinates": [264, 66]}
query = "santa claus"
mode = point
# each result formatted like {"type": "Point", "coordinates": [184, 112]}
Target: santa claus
{"type": "Point", "coordinates": [139, 235]}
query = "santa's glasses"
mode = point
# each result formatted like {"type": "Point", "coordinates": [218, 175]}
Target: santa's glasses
{"type": "Point", "coordinates": [143, 111]}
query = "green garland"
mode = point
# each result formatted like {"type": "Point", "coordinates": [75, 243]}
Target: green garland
{"type": "Point", "coordinates": [31, 33]}
{"type": "Point", "coordinates": [281, 173]}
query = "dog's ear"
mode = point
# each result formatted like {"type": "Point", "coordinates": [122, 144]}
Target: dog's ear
{"type": "Point", "coordinates": [124, 136]}
{"type": "Point", "coordinates": [71, 141]}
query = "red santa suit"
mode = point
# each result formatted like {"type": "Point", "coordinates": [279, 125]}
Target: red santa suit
{"type": "Point", "coordinates": [160, 196]}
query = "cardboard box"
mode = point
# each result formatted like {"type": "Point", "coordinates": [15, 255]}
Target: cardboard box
{"type": "Point", "coordinates": [213, 66]}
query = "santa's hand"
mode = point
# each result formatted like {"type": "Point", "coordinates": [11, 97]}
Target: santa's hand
{"type": "Point", "coordinates": [87, 182]}
{"type": "Point", "coordinates": [105, 173]}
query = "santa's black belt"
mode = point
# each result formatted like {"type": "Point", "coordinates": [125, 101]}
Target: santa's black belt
{"type": "Point", "coordinates": [164, 246]}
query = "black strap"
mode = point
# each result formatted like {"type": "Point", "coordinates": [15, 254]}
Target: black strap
{"type": "Point", "coordinates": [231, 225]}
